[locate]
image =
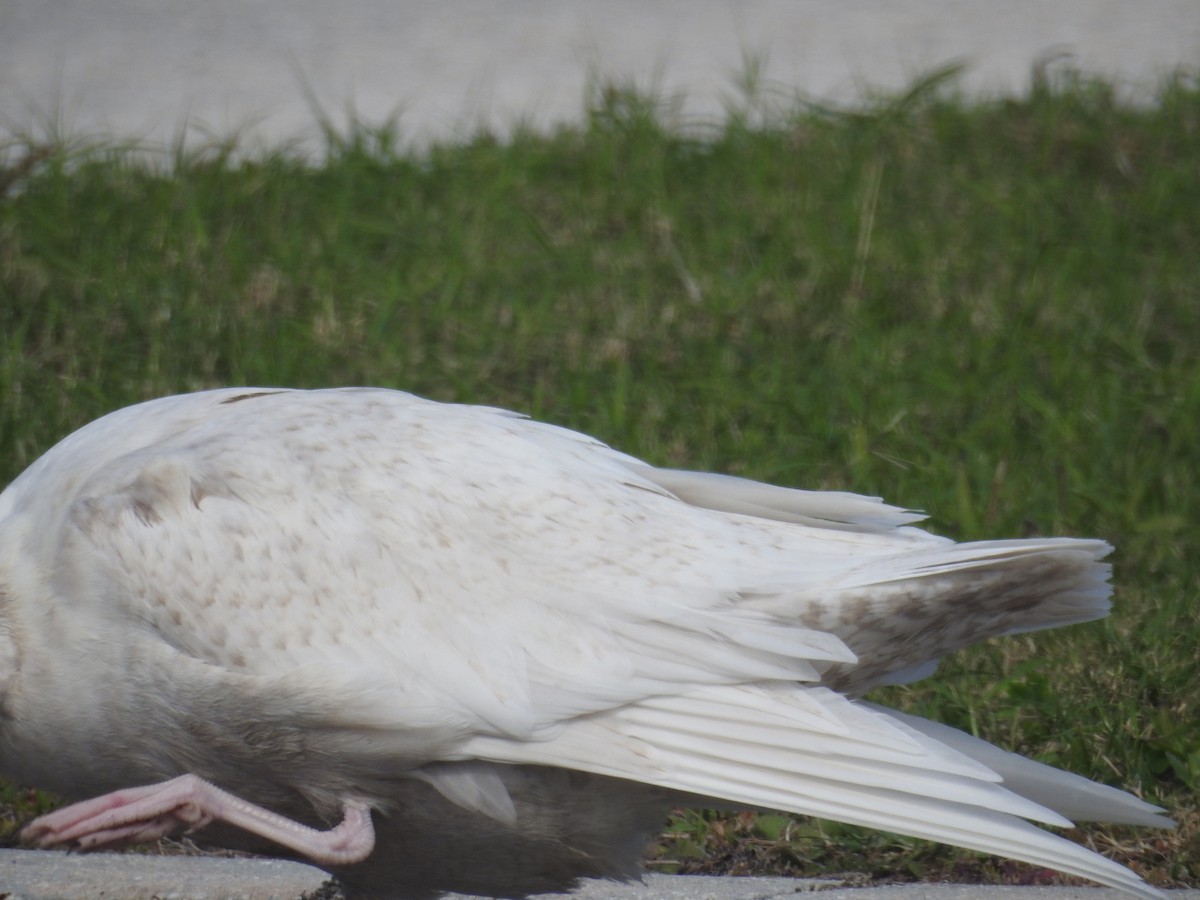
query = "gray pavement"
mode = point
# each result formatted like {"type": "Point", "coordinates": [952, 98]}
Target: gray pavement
{"type": "Point", "coordinates": [45, 875]}
{"type": "Point", "coordinates": [160, 69]}
{"type": "Point", "coordinates": [50, 875]}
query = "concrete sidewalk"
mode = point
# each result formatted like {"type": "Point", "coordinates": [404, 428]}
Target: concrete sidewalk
{"type": "Point", "coordinates": [45, 875]}
{"type": "Point", "coordinates": [160, 70]}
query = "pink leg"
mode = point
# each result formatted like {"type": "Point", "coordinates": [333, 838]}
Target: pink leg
{"type": "Point", "coordinates": [188, 802]}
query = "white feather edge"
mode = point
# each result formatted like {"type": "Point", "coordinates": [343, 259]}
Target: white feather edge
{"type": "Point", "coordinates": [1073, 796]}
{"type": "Point", "coordinates": [475, 786]}
{"type": "Point", "coordinates": [810, 751]}
{"type": "Point", "coordinates": [823, 509]}
{"type": "Point", "coordinates": [1085, 553]}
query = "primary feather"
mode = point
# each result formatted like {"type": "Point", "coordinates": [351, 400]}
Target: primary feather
{"type": "Point", "coordinates": [515, 644]}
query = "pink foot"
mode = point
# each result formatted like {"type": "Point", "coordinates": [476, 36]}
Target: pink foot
{"type": "Point", "coordinates": [188, 802]}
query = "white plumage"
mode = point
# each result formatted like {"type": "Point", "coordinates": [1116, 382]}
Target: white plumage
{"type": "Point", "coordinates": [511, 646]}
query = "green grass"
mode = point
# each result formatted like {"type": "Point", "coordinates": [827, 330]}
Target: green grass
{"type": "Point", "coordinates": [988, 310]}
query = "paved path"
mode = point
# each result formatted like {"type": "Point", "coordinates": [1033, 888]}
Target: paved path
{"type": "Point", "coordinates": [41, 875]}
{"type": "Point", "coordinates": [157, 68]}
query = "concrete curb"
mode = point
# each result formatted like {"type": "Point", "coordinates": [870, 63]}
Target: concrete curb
{"type": "Point", "coordinates": [46, 875]}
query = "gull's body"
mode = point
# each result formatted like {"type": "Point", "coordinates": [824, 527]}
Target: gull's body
{"type": "Point", "coordinates": [511, 646]}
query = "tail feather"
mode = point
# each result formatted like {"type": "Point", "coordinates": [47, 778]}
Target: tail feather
{"type": "Point", "coordinates": [902, 599]}
{"type": "Point", "coordinates": [1073, 796]}
{"type": "Point", "coordinates": [899, 614]}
